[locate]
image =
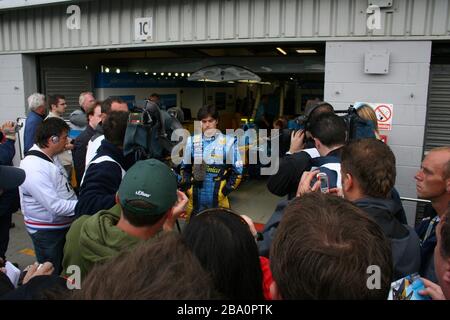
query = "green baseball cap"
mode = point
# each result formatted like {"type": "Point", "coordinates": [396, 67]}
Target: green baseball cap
{"type": "Point", "coordinates": [150, 181]}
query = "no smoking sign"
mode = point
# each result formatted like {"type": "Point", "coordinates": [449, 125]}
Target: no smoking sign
{"type": "Point", "coordinates": [384, 114]}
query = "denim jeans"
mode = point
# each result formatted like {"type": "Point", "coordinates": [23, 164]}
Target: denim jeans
{"type": "Point", "coordinates": [49, 246]}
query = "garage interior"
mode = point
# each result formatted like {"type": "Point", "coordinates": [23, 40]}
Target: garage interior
{"type": "Point", "coordinates": [294, 71]}
{"type": "Point", "coordinates": [290, 75]}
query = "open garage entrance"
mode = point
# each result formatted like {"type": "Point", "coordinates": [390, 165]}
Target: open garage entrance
{"type": "Point", "coordinates": [290, 76]}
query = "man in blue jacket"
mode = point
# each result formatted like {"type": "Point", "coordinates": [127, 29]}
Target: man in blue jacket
{"type": "Point", "coordinates": [36, 105]}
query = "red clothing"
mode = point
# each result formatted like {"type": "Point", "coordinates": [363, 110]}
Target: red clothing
{"type": "Point", "coordinates": [267, 277]}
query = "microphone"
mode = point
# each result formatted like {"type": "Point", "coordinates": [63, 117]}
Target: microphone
{"type": "Point", "coordinates": [199, 172]}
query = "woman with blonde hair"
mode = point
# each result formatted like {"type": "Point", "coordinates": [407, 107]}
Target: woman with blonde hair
{"type": "Point", "coordinates": [366, 112]}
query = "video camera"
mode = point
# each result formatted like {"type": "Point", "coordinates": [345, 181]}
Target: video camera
{"type": "Point", "coordinates": [149, 132]}
{"type": "Point", "coordinates": [357, 127]}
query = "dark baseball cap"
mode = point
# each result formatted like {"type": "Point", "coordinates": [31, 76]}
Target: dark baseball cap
{"type": "Point", "coordinates": [150, 181]}
{"type": "Point", "coordinates": [11, 177]}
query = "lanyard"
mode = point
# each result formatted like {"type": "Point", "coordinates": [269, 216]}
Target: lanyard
{"type": "Point", "coordinates": [430, 228]}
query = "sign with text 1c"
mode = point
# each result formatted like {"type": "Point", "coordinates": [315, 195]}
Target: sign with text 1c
{"type": "Point", "coordinates": [143, 29]}
{"type": "Point", "coordinates": [384, 114]}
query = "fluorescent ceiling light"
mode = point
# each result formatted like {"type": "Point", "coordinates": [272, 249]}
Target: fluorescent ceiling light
{"type": "Point", "coordinates": [282, 51]}
{"type": "Point", "coordinates": [253, 81]}
{"type": "Point", "coordinates": [306, 51]}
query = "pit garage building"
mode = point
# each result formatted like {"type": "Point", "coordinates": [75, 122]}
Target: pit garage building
{"type": "Point", "coordinates": [388, 51]}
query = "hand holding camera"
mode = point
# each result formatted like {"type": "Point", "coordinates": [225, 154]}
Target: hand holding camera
{"type": "Point", "coordinates": [304, 185]}
{"type": "Point", "coordinates": [313, 181]}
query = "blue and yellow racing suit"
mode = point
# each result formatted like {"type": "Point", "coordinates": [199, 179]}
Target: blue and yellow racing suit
{"type": "Point", "coordinates": [222, 171]}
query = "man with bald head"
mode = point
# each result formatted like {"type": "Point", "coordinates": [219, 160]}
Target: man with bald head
{"type": "Point", "coordinates": [433, 183]}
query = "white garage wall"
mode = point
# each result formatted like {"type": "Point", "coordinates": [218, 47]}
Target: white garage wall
{"type": "Point", "coordinates": [405, 86]}
{"type": "Point", "coordinates": [17, 82]}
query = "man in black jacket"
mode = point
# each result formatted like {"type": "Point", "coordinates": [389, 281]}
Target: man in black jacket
{"type": "Point", "coordinates": [298, 158]}
{"type": "Point", "coordinates": [104, 173]}
{"type": "Point", "coordinates": [94, 117]}
{"type": "Point", "coordinates": [328, 132]}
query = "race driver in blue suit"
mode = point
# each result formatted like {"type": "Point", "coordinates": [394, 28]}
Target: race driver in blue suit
{"type": "Point", "coordinates": [217, 169]}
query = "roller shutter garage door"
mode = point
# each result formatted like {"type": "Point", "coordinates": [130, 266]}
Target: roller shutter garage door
{"type": "Point", "coordinates": [437, 129]}
{"type": "Point", "coordinates": [437, 132]}
{"type": "Point", "coordinates": [69, 82]}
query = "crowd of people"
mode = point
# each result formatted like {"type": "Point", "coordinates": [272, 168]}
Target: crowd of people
{"type": "Point", "coordinates": [104, 226]}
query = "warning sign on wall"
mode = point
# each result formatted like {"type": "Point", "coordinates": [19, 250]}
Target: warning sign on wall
{"type": "Point", "coordinates": [384, 113]}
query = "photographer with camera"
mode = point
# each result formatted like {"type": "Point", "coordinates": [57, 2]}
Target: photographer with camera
{"type": "Point", "coordinates": [368, 184]}
{"type": "Point", "coordinates": [328, 132]}
{"type": "Point", "coordinates": [298, 158]}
